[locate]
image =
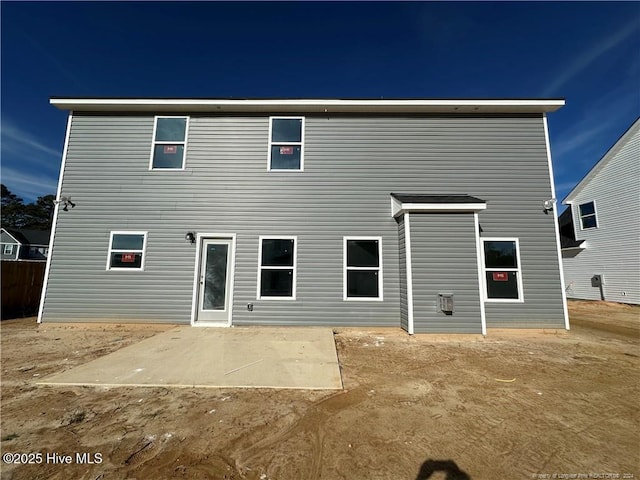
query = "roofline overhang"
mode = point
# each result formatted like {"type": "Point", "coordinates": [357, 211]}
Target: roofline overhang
{"type": "Point", "coordinates": [580, 247]}
{"type": "Point", "coordinates": [318, 105]}
{"type": "Point", "coordinates": [400, 208]}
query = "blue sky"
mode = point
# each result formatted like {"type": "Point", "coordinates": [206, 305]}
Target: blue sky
{"type": "Point", "coordinates": [586, 52]}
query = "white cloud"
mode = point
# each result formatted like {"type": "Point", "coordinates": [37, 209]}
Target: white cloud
{"type": "Point", "coordinates": [18, 142]}
{"type": "Point", "coordinates": [582, 61]}
{"type": "Point", "coordinates": [28, 185]}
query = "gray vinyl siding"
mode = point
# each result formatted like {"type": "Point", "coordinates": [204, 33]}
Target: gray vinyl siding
{"type": "Point", "coordinates": [402, 252]}
{"type": "Point", "coordinates": [351, 165]}
{"type": "Point", "coordinates": [444, 260]}
{"type": "Point", "coordinates": [6, 239]}
{"type": "Point", "coordinates": [613, 248]}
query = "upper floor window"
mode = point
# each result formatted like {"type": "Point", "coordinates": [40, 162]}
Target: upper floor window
{"type": "Point", "coordinates": [126, 251]}
{"type": "Point", "coordinates": [362, 268]}
{"type": "Point", "coordinates": [169, 143]}
{"type": "Point", "coordinates": [8, 249]}
{"type": "Point", "coordinates": [286, 143]}
{"type": "Point", "coordinates": [502, 270]}
{"type": "Point", "coordinates": [588, 215]}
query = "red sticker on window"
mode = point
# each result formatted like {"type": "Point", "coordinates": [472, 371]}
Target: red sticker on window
{"type": "Point", "coordinates": [286, 150]}
{"type": "Point", "coordinates": [170, 149]}
{"type": "Point", "coordinates": [500, 277]}
{"type": "Point", "coordinates": [128, 258]}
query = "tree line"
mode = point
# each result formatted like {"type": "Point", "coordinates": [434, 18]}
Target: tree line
{"type": "Point", "coordinates": [35, 216]}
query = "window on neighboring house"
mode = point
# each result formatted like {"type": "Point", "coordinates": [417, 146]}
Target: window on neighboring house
{"type": "Point", "coordinates": [588, 215]}
{"type": "Point", "coordinates": [502, 270]}
{"type": "Point", "coordinates": [126, 250]}
{"type": "Point", "coordinates": [169, 143]}
{"type": "Point", "coordinates": [277, 268]}
{"type": "Point", "coordinates": [362, 268]}
{"type": "Point", "coordinates": [8, 249]}
{"type": "Point", "coordinates": [286, 143]}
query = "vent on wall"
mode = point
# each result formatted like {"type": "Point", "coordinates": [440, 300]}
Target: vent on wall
{"type": "Point", "coordinates": [445, 303]}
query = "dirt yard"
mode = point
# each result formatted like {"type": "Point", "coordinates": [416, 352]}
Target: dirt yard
{"type": "Point", "coordinates": [510, 406]}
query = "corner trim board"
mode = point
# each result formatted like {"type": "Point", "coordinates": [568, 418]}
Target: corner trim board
{"type": "Point", "coordinates": [555, 223]}
{"type": "Point", "coordinates": [54, 225]}
{"type": "Point", "coordinates": [407, 247]}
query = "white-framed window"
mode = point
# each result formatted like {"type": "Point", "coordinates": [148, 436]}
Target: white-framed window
{"type": "Point", "coordinates": [362, 279]}
{"type": "Point", "coordinates": [286, 144]}
{"type": "Point", "coordinates": [169, 146]}
{"type": "Point", "coordinates": [277, 264]}
{"type": "Point", "coordinates": [127, 250]}
{"type": "Point", "coordinates": [8, 249]}
{"type": "Point", "coordinates": [588, 215]}
{"type": "Point", "coordinates": [502, 270]}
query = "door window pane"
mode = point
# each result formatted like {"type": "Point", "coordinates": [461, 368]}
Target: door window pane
{"type": "Point", "coordinates": [215, 277]}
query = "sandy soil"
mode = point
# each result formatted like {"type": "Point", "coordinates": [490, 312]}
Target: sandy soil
{"type": "Point", "coordinates": [505, 407]}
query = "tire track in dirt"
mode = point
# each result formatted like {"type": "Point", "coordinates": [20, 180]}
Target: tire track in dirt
{"type": "Point", "coordinates": [313, 420]}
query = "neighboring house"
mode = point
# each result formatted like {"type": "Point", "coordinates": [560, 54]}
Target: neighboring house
{"type": "Point", "coordinates": [20, 244]}
{"type": "Point", "coordinates": [425, 214]}
{"type": "Point", "coordinates": [601, 251]}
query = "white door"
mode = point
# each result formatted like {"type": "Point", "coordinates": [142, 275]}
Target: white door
{"type": "Point", "coordinates": [214, 282]}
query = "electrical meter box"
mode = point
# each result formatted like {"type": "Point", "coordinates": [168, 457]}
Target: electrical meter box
{"type": "Point", "coordinates": [597, 280]}
{"type": "Point", "coordinates": [445, 303]}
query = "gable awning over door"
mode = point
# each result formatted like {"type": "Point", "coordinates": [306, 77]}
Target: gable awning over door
{"type": "Point", "coordinates": [416, 203]}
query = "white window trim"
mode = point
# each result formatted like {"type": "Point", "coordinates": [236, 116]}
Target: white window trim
{"type": "Point", "coordinates": [301, 144]}
{"type": "Point", "coordinates": [155, 142]}
{"type": "Point", "coordinates": [10, 247]}
{"type": "Point", "coordinates": [261, 267]}
{"type": "Point", "coordinates": [518, 271]}
{"type": "Point", "coordinates": [380, 296]}
{"type": "Point", "coordinates": [595, 214]}
{"type": "Point", "coordinates": [111, 250]}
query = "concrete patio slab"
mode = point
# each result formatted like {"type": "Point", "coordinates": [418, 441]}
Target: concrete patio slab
{"type": "Point", "coordinates": [241, 357]}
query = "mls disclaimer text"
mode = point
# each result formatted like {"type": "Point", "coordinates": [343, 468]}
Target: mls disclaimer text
{"type": "Point", "coordinates": [52, 458]}
{"type": "Point", "coordinates": [588, 475]}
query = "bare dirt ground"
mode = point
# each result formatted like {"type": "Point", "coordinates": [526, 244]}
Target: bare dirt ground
{"type": "Point", "coordinates": [510, 406]}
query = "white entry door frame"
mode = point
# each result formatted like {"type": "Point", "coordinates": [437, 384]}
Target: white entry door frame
{"type": "Point", "coordinates": [206, 312]}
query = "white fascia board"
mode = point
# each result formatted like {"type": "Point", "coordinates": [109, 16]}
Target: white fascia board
{"type": "Point", "coordinates": [401, 208]}
{"type": "Point", "coordinates": [310, 105]}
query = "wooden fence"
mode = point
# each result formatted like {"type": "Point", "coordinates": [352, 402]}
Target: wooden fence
{"type": "Point", "coordinates": [21, 288]}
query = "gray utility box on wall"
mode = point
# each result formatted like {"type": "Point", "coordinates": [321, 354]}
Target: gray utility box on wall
{"type": "Point", "coordinates": [597, 280]}
{"type": "Point", "coordinates": [445, 303]}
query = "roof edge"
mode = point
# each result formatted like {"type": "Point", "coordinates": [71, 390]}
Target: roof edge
{"type": "Point", "coordinates": [311, 105]}
{"type": "Point", "coordinates": [608, 155]}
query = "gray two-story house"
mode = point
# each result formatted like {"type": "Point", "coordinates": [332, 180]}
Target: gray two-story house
{"type": "Point", "coordinates": [432, 215]}
{"type": "Point", "coordinates": [600, 230]}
